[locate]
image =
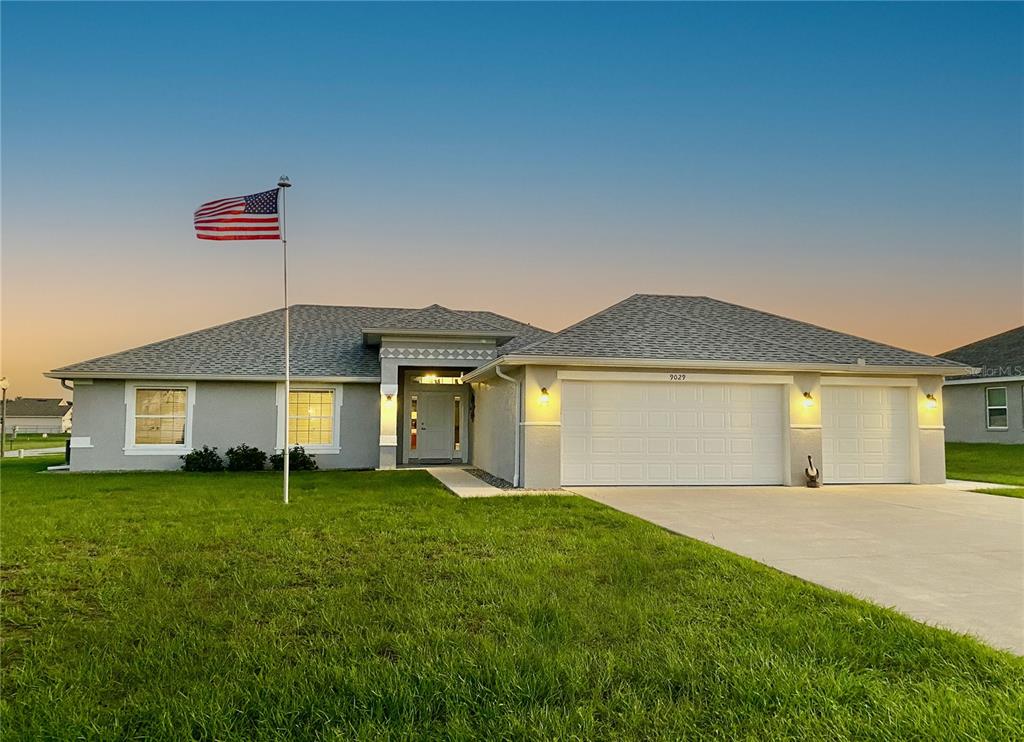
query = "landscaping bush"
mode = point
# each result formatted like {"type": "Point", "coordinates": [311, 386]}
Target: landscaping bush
{"type": "Point", "coordinates": [202, 459]}
{"type": "Point", "coordinates": [298, 460]}
{"type": "Point", "coordinates": [246, 458]}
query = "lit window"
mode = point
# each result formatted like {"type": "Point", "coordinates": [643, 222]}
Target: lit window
{"type": "Point", "coordinates": [311, 418]}
{"type": "Point", "coordinates": [435, 379]}
{"type": "Point", "coordinates": [160, 417]}
{"type": "Point", "coordinates": [458, 423]}
{"type": "Point", "coordinates": [412, 423]}
{"type": "Point", "coordinates": [995, 408]}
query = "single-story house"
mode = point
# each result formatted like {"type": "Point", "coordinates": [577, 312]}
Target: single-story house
{"type": "Point", "coordinates": [988, 407]}
{"type": "Point", "coordinates": [654, 390]}
{"type": "Point", "coordinates": [38, 415]}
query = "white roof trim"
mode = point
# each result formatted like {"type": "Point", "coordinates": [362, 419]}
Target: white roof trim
{"type": "Point", "coordinates": [984, 380]}
{"type": "Point", "coordinates": [835, 368]}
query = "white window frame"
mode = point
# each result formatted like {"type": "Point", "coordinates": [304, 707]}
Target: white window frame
{"type": "Point", "coordinates": [131, 448]}
{"type": "Point", "coordinates": [1005, 407]}
{"type": "Point", "coordinates": [282, 416]}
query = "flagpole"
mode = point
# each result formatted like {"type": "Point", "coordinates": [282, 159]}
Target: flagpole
{"type": "Point", "coordinates": [283, 184]}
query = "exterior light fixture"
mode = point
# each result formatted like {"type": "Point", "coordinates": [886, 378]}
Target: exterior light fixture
{"type": "Point", "coordinates": [544, 396]}
{"type": "Point", "coordinates": [930, 402]}
{"type": "Point", "coordinates": [389, 398]}
{"type": "Point", "coordinates": [808, 400]}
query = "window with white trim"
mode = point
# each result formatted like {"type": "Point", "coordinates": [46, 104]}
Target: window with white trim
{"type": "Point", "coordinates": [996, 412]}
{"type": "Point", "coordinates": [311, 417]}
{"type": "Point", "coordinates": [158, 417]}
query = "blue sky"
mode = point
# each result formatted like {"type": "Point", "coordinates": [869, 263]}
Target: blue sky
{"type": "Point", "coordinates": [857, 165]}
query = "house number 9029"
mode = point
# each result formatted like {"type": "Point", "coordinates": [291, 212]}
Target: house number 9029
{"type": "Point", "coordinates": [677, 377]}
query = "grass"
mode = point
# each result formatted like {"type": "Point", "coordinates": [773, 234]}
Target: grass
{"type": "Point", "coordinates": [988, 462]}
{"type": "Point", "coordinates": [1003, 491]}
{"type": "Point", "coordinates": [36, 440]}
{"type": "Point", "coordinates": [985, 462]}
{"type": "Point", "coordinates": [376, 605]}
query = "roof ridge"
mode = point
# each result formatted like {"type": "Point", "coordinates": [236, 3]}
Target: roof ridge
{"type": "Point", "coordinates": [732, 331]}
{"type": "Point", "coordinates": [819, 327]}
{"type": "Point", "coordinates": [175, 337]}
{"type": "Point", "coordinates": [501, 316]}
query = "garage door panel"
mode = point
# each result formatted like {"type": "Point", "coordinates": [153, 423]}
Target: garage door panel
{"type": "Point", "coordinates": [659, 446]}
{"type": "Point", "coordinates": [687, 420]}
{"type": "Point", "coordinates": [687, 446]}
{"type": "Point", "coordinates": [659, 420]}
{"type": "Point", "coordinates": [665, 433]}
{"type": "Point", "coordinates": [741, 446]}
{"type": "Point", "coordinates": [865, 434]}
{"type": "Point", "coordinates": [713, 445]}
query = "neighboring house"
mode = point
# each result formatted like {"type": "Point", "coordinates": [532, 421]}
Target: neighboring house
{"type": "Point", "coordinates": [653, 390]}
{"type": "Point", "coordinates": [989, 406]}
{"type": "Point", "coordinates": [38, 415]}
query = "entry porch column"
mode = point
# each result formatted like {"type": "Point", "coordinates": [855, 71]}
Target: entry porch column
{"type": "Point", "coordinates": [388, 414]}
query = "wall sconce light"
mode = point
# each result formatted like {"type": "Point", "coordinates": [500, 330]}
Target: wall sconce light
{"type": "Point", "coordinates": [930, 402]}
{"type": "Point", "coordinates": [808, 400]}
{"type": "Point", "coordinates": [544, 396]}
{"type": "Point", "coordinates": [389, 398]}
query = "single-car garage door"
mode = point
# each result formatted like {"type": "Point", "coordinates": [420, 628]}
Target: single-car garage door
{"type": "Point", "coordinates": [865, 434]}
{"type": "Point", "coordinates": [626, 432]}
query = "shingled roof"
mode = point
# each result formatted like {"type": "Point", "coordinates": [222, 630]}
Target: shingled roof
{"type": "Point", "coordinates": [699, 328]}
{"type": "Point", "coordinates": [37, 407]}
{"type": "Point", "coordinates": [998, 355]}
{"type": "Point", "coordinates": [326, 341]}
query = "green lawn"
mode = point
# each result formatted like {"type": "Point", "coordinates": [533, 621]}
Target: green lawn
{"type": "Point", "coordinates": [36, 440]}
{"type": "Point", "coordinates": [987, 462]}
{"type": "Point", "coordinates": [376, 605]}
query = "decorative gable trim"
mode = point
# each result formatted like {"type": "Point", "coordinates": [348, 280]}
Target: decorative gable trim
{"type": "Point", "coordinates": [440, 354]}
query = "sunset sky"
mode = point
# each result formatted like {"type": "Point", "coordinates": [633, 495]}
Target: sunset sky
{"type": "Point", "coordinates": [858, 166]}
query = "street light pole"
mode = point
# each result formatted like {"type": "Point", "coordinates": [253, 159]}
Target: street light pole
{"type": "Point", "coordinates": [3, 416]}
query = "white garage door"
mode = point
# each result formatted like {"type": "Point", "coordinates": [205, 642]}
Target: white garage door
{"type": "Point", "coordinates": [865, 434]}
{"type": "Point", "coordinates": [625, 432]}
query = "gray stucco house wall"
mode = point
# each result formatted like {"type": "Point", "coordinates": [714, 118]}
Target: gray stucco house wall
{"type": "Point", "coordinates": [966, 413]}
{"type": "Point", "coordinates": [999, 363]}
{"type": "Point", "coordinates": [225, 414]}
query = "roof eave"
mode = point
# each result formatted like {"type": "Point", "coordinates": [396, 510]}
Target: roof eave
{"type": "Point", "coordinates": [845, 368]}
{"type": "Point", "coordinates": [72, 375]}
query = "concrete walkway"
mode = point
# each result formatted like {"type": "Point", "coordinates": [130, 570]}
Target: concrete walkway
{"type": "Point", "coordinates": [463, 484]}
{"type": "Point", "coordinates": [963, 485]}
{"type": "Point", "coordinates": [25, 452]}
{"type": "Point", "coordinates": [951, 558]}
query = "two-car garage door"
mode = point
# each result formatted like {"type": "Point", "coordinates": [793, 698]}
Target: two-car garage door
{"type": "Point", "coordinates": [624, 432]}
{"type": "Point", "coordinates": [665, 433]}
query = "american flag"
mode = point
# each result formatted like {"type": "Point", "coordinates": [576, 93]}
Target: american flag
{"type": "Point", "coordinates": [251, 217]}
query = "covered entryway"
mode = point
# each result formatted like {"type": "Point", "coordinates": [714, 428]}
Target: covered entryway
{"type": "Point", "coordinates": [434, 412]}
{"type": "Point", "coordinates": [865, 434]}
{"type": "Point", "coordinates": [671, 433]}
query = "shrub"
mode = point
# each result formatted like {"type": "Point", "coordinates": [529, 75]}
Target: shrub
{"type": "Point", "coordinates": [202, 459]}
{"type": "Point", "coordinates": [246, 458]}
{"type": "Point", "coordinates": [298, 460]}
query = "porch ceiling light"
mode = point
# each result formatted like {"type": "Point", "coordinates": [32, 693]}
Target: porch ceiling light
{"type": "Point", "coordinates": [930, 402]}
{"type": "Point", "coordinates": [544, 396]}
{"type": "Point", "coordinates": [808, 400]}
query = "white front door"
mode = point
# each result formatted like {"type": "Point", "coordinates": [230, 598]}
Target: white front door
{"type": "Point", "coordinates": [435, 422]}
{"type": "Point", "coordinates": [865, 434]}
{"type": "Point", "coordinates": [630, 432]}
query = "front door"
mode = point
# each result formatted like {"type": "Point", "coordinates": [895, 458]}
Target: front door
{"type": "Point", "coordinates": [435, 428]}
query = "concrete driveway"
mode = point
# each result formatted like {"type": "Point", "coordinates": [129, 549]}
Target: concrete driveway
{"type": "Point", "coordinates": [955, 559]}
